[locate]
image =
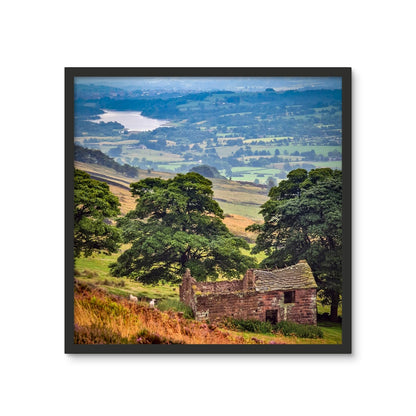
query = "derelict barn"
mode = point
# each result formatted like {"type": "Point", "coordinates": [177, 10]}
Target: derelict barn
{"type": "Point", "coordinates": [287, 294]}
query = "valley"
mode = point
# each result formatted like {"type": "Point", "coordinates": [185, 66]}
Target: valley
{"type": "Point", "coordinates": [254, 136]}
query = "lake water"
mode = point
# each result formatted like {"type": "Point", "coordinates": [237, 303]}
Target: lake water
{"type": "Point", "coordinates": [131, 120]}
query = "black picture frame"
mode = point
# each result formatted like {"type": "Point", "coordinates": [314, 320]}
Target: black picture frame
{"type": "Point", "coordinates": [344, 73]}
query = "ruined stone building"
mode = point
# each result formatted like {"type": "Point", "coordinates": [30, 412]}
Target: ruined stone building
{"type": "Point", "coordinates": [287, 294]}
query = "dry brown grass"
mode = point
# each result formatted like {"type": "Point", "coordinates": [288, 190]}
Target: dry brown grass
{"type": "Point", "coordinates": [103, 318]}
{"type": "Point", "coordinates": [237, 225]}
{"type": "Point", "coordinates": [239, 193]}
{"type": "Point", "coordinates": [127, 201]}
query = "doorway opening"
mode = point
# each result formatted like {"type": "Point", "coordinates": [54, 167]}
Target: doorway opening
{"type": "Point", "coordinates": [271, 316]}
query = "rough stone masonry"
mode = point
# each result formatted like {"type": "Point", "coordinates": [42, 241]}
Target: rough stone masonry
{"type": "Point", "coordinates": [287, 294]}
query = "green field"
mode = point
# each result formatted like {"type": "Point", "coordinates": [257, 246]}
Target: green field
{"type": "Point", "coordinates": [333, 164]}
{"type": "Point", "coordinates": [250, 174]}
{"type": "Point", "coordinates": [319, 150]}
{"type": "Point", "coordinates": [259, 256]}
{"type": "Point", "coordinates": [172, 166]}
{"type": "Point", "coordinates": [169, 161]}
{"type": "Point", "coordinates": [250, 211]}
{"type": "Point", "coordinates": [95, 270]}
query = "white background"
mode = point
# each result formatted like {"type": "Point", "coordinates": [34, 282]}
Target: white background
{"type": "Point", "coordinates": [39, 38]}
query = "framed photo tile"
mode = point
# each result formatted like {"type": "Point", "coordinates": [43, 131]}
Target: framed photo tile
{"type": "Point", "coordinates": [208, 210]}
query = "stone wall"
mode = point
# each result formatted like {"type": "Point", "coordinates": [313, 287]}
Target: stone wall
{"type": "Point", "coordinates": [239, 299]}
{"type": "Point", "coordinates": [303, 310]}
{"type": "Point", "coordinates": [241, 305]}
{"type": "Point", "coordinates": [253, 305]}
{"type": "Point", "coordinates": [219, 287]}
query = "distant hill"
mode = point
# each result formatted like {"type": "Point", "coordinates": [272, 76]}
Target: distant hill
{"type": "Point", "coordinates": [97, 157]}
{"type": "Point", "coordinates": [91, 92]}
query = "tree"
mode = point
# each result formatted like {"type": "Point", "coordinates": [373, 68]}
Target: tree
{"type": "Point", "coordinates": [207, 171]}
{"type": "Point", "coordinates": [303, 220]}
{"type": "Point", "coordinates": [270, 182]}
{"type": "Point", "coordinates": [177, 225]}
{"type": "Point", "coordinates": [94, 204]}
{"type": "Point", "coordinates": [291, 187]}
{"type": "Point", "coordinates": [115, 151]}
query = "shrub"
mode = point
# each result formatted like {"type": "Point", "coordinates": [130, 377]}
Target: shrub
{"type": "Point", "coordinates": [97, 334]}
{"type": "Point", "coordinates": [177, 306]}
{"type": "Point", "coordinates": [301, 331]}
{"type": "Point", "coordinates": [89, 273]}
{"type": "Point", "coordinates": [284, 327]}
{"type": "Point", "coordinates": [146, 337]}
{"type": "Point", "coordinates": [111, 282]}
{"type": "Point", "coordinates": [250, 325]}
{"type": "Point", "coordinates": [120, 283]}
{"type": "Point", "coordinates": [324, 317]}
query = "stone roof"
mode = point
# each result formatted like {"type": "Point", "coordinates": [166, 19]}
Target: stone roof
{"type": "Point", "coordinates": [298, 276]}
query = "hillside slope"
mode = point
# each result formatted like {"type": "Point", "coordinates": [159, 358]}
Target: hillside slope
{"type": "Point", "coordinates": [240, 201]}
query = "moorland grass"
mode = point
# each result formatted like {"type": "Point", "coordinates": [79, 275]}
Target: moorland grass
{"type": "Point", "coordinates": [102, 318]}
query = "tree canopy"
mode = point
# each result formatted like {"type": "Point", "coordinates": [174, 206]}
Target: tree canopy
{"type": "Point", "coordinates": [303, 220]}
{"type": "Point", "coordinates": [178, 225]}
{"type": "Point", "coordinates": [206, 171]}
{"type": "Point", "coordinates": [93, 205]}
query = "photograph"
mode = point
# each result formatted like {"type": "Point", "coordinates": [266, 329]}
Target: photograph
{"type": "Point", "coordinates": [208, 210]}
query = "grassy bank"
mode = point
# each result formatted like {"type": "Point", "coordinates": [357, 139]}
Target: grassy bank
{"type": "Point", "coordinates": [104, 314]}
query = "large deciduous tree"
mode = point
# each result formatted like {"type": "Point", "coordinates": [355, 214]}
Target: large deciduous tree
{"type": "Point", "coordinates": [177, 225]}
{"type": "Point", "coordinates": [303, 220]}
{"type": "Point", "coordinates": [94, 204]}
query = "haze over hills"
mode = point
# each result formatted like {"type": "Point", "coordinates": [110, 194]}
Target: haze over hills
{"type": "Point", "coordinates": [175, 84]}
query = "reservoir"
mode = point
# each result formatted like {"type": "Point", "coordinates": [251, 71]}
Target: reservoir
{"type": "Point", "coordinates": [131, 120]}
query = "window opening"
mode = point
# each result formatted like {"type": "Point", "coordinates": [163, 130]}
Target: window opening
{"type": "Point", "coordinates": [290, 297]}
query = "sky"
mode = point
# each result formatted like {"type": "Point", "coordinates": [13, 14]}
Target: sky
{"type": "Point", "coordinates": [213, 83]}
